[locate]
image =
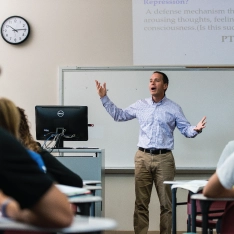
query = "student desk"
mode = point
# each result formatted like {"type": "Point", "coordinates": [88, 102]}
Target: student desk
{"type": "Point", "coordinates": [93, 190]}
{"type": "Point", "coordinates": [85, 204]}
{"type": "Point", "coordinates": [81, 197]}
{"type": "Point", "coordinates": [175, 204]}
{"type": "Point", "coordinates": [91, 182]}
{"type": "Point", "coordinates": [205, 205]}
{"type": "Point", "coordinates": [81, 224]}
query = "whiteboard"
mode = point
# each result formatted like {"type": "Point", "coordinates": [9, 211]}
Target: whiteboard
{"type": "Point", "coordinates": [200, 92]}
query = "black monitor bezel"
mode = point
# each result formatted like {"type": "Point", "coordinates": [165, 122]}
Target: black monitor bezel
{"type": "Point", "coordinates": [43, 112]}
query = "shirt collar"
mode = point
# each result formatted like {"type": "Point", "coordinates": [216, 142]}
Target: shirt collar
{"type": "Point", "coordinates": [158, 103]}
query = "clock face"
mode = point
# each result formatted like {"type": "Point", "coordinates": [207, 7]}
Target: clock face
{"type": "Point", "coordinates": [15, 30]}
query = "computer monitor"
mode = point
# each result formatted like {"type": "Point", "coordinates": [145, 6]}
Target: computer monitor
{"type": "Point", "coordinates": [61, 123]}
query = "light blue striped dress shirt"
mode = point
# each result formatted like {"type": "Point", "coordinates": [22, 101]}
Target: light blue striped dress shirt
{"type": "Point", "coordinates": [157, 121]}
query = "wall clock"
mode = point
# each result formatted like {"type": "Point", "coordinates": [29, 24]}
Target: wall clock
{"type": "Point", "coordinates": [15, 30]}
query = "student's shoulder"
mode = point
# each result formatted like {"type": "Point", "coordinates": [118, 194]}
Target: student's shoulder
{"type": "Point", "coordinates": [230, 145]}
{"type": "Point", "coordinates": [10, 146]}
{"type": "Point", "coordinates": [229, 162]}
{"type": "Point", "coordinates": [46, 156]}
{"type": "Point", "coordinates": [44, 152]}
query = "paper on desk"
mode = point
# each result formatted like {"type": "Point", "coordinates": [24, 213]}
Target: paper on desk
{"type": "Point", "coordinates": [193, 185]}
{"type": "Point", "coordinates": [72, 191]}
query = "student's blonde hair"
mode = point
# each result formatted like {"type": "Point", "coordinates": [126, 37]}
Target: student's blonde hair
{"type": "Point", "coordinates": [9, 117]}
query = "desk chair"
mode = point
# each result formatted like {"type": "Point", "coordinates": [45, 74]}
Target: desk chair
{"type": "Point", "coordinates": [227, 223]}
{"type": "Point", "coordinates": [215, 212]}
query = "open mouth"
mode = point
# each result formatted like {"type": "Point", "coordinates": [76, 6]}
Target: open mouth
{"type": "Point", "coordinates": [153, 88]}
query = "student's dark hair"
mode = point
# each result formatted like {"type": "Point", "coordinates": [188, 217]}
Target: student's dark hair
{"type": "Point", "coordinates": [165, 78]}
{"type": "Point", "coordinates": [26, 137]}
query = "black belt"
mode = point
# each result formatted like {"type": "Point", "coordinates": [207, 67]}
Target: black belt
{"type": "Point", "coordinates": [154, 151]}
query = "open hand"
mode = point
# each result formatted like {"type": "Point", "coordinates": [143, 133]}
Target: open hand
{"type": "Point", "coordinates": [201, 125]}
{"type": "Point", "coordinates": [101, 90]}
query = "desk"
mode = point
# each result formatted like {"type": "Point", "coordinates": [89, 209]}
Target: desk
{"type": "Point", "coordinates": [205, 205]}
{"type": "Point", "coordinates": [81, 224]}
{"type": "Point", "coordinates": [81, 197]}
{"type": "Point", "coordinates": [93, 190]}
{"type": "Point", "coordinates": [175, 203]}
{"type": "Point", "coordinates": [91, 182]}
{"type": "Point", "coordinates": [85, 203]}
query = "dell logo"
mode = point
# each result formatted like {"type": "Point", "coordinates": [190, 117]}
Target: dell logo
{"type": "Point", "coordinates": [60, 113]}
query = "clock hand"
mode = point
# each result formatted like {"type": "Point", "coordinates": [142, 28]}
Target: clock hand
{"type": "Point", "coordinates": [12, 28]}
{"type": "Point", "coordinates": [22, 29]}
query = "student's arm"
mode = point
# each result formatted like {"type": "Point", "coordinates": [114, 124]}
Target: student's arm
{"type": "Point", "coordinates": [52, 210]}
{"type": "Point", "coordinates": [40, 202]}
{"type": "Point", "coordinates": [215, 189]}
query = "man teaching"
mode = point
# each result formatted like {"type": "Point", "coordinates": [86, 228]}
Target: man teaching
{"type": "Point", "coordinates": [154, 162]}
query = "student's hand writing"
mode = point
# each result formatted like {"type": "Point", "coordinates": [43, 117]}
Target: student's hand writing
{"type": "Point", "coordinates": [101, 90]}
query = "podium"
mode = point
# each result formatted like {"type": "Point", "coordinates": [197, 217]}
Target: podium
{"type": "Point", "coordinates": [89, 164]}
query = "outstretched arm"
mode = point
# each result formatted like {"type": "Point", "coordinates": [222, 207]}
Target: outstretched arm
{"type": "Point", "coordinates": [101, 90]}
{"type": "Point", "coordinates": [201, 125]}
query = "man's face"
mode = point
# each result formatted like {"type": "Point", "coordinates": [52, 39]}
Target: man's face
{"type": "Point", "coordinates": [156, 85]}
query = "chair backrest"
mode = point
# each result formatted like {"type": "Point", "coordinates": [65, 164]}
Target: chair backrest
{"type": "Point", "coordinates": [227, 223]}
{"type": "Point", "coordinates": [216, 206]}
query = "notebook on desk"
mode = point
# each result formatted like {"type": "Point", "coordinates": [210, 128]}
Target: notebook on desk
{"type": "Point", "coordinates": [193, 185]}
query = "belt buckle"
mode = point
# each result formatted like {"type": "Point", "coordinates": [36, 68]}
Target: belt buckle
{"type": "Point", "coordinates": [154, 150]}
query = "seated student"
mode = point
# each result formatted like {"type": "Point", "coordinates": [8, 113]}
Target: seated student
{"type": "Point", "coordinates": [227, 151]}
{"type": "Point", "coordinates": [221, 182]}
{"type": "Point", "coordinates": [10, 120]}
{"type": "Point", "coordinates": [14, 120]}
{"type": "Point", "coordinates": [54, 168]}
{"type": "Point", "coordinates": [31, 195]}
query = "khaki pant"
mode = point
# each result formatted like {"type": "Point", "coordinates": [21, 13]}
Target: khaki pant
{"type": "Point", "coordinates": [151, 169]}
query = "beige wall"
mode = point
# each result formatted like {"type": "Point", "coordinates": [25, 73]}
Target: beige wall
{"type": "Point", "coordinates": [72, 33]}
{"type": "Point", "coordinates": [63, 33]}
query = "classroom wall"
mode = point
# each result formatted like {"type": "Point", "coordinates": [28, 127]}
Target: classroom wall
{"type": "Point", "coordinates": [71, 33]}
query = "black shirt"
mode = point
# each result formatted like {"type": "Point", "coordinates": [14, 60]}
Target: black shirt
{"type": "Point", "coordinates": [20, 176]}
{"type": "Point", "coordinates": [58, 172]}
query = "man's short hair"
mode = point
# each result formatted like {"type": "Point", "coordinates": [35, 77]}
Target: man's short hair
{"type": "Point", "coordinates": [165, 78]}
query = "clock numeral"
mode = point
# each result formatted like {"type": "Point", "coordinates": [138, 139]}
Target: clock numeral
{"type": "Point", "coordinates": [15, 20]}
{"type": "Point", "coordinates": [23, 25]}
{"type": "Point", "coordinates": [15, 39]}
{"type": "Point", "coordinates": [19, 38]}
